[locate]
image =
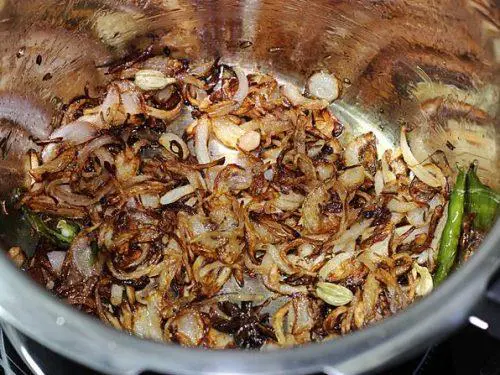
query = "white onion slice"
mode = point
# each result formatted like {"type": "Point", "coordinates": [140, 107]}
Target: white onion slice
{"type": "Point", "coordinates": [399, 231]}
{"type": "Point", "coordinates": [388, 175]}
{"type": "Point", "coordinates": [275, 255]}
{"type": "Point", "coordinates": [233, 136]}
{"type": "Point", "coordinates": [422, 173]}
{"type": "Point", "coordinates": [111, 104]}
{"type": "Point", "coordinates": [50, 152]}
{"type": "Point", "coordinates": [439, 231]}
{"type": "Point", "coordinates": [354, 232]}
{"type": "Point", "coordinates": [150, 200]}
{"type": "Point", "coordinates": [381, 247]}
{"type": "Point", "coordinates": [352, 178]}
{"type": "Point", "coordinates": [249, 141]}
{"type": "Point", "coordinates": [353, 150]}
{"type": "Point", "coordinates": [293, 94]}
{"type": "Point", "coordinates": [189, 327]}
{"type": "Point", "coordinates": [163, 114]}
{"type": "Point", "coordinates": [93, 145]}
{"type": "Point", "coordinates": [325, 171]}
{"type": "Point", "coordinates": [56, 259]}
{"type": "Point", "coordinates": [172, 142]}
{"type": "Point", "coordinates": [63, 193]}
{"type": "Point", "coordinates": [379, 182]}
{"type": "Point", "coordinates": [131, 103]}
{"type": "Point", "coordinates": [175, 194]}
{"type": "Point", "coordinates": [201, 140]}
{"type": "Point", "coordinates": [369, 259]}
{"type": "Point", "coordinates": [416, 217]}
{"type": "Point", "coordinates": [424, 284]}
{"type": "Point", "coordinates": [227, 132]}
{"type": "Point", "coordinates": [254, 124]}
{"type": "Point", "coordinates": [395, 205]}
{"type": "Point", "coordinates": [305, 250]}
{"type": "Point", "coordinates": [415, 233]}
{"type": "Point", "coordinates": [147, 321]}
{"type": "Point", "coordinates": [289, 202]}
{"type": "Point", "coordinates": [324, 86]}
{"type": "Point", "coordinates": [203, 69]}
{"type": "Point", "coordinates": [104, 156]}
{"type": "Point", "coordinates": [116, 294]}
{"type": "Point", "coordinates": [76, 132]}
{"type": "Point", "coordinates": [333, 264]}
{"type": "Point", "coordinates": [130, 97]}
{"type": "Point", "coordinates": [218, 150]}
{"type": "Point", "coordinates": [311, 209]}
{"type": "Point", "coordinates": [242, 92]}
{"type": "Point", "coordinates": [346, 247]}
{"type": "Point", "coordinates": [83, 257]}
{"type": "Point", "coordinates": [437, 200]}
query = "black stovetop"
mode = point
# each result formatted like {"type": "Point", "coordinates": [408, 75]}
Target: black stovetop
{"type": "Point", "coordinates": [469, 351]}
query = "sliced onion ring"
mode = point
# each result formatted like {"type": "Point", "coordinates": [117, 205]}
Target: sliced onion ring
{"type": "Point", "coordinates": [93, 145]}
{"type": "Point", "coordinates": [323, 85]}
{"type": "Point", "coordinates": [173, 143]}
{"type": "Point", "coordinates": [76, 132]}
{"type": "Point", "coordinates": [175, 194]}
{"type": "Point", "coordinates": [83, 256]}
{"type": "Point", "coordinates": [423, 174]}
{"type": "Point", "coordinates": [242, 92]}
{"type": "Point", "coordinates": [292, 93]}
{"type": "Point", "coordinates": [201, 140]}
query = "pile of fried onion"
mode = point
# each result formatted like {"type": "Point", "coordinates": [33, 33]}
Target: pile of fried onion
{"type": "Point", "coordinates": [265, 222]}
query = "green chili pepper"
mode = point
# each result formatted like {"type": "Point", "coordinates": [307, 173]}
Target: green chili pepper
{"type": "Point", "coordinates": [95, 252]}
{"type": "Point", "coordinates": [451, 232]}
{"type": "Point", "coordinates": [43, 229]}
{"type": "Point", "coordinates": [481, 201]}
{"type": "Point", "coordinates": [68, 229]}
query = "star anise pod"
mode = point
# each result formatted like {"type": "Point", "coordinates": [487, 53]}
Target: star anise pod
{"type": "Point", "coordinates": [249, 328]}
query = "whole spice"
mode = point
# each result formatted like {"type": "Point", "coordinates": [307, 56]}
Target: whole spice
{"type": "Point", "coordinates": [149, 79]}
{"type": "Point", "coordinates": [248, 326]}
{"type": "Point", "coordinates": [334, 294]}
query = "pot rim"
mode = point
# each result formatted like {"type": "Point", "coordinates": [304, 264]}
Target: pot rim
{"type": "Point", "coordinates": [86, 340]}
